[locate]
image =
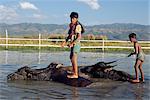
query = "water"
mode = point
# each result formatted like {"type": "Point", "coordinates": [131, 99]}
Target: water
{"type": "Point", "coordinates": [104, 89]}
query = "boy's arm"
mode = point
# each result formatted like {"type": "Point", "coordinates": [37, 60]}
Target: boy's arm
{"type": "Point", "coordinates": [66, 40]}
{"type": "Point", "coordinates": [78, 38]}
{"type": "Point", "coordinates": [68, 37]}
{"type": "Point", "coordinates": [130, 54]}
{"type": "Point", "coordinates": [136, 50]}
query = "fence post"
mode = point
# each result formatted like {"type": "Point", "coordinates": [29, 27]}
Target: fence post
{"type": "Point", "coordinates": [103, 45]}
{"type": "Point", "coordinates": [6, 38]}
{"type": "Point", "coordinates": [39, 41]}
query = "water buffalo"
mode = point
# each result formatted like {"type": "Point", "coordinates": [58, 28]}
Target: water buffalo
{"type": "Point", "coordinates": [54, 71]}
{"type": "Point", "coordinates": [57, 72]}
{"type": "Point", "coordinates": [105, 70]}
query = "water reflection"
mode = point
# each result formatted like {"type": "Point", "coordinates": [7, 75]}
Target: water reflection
{"type": "Point", "coordinates": [103, 56]}
{"type": "Point", "coordinates": [39, 57]}
{"type": "Point", "coordinates": [138, 91]}
{"type": "Point", "coordinates": [75, 93]}
{"type": "Point", "coordinates": [10, 61]}
{"type": "Point", "coordinates": [6, 57]}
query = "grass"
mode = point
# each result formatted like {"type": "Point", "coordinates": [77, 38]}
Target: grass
{"type": "Point", "coordinates": [123, 44]}
{"type": "Point", "coordinates": [53, 49]}
{"type": "Point", "coordinates": [82, 43]}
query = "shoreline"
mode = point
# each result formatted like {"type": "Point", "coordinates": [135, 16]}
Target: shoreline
{"type": "Point", "coordinates": [55, 49]}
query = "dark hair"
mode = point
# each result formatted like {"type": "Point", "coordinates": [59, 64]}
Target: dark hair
{"type": "Point", "coordinates": [132, 35]}
{"type": "Point", "coordinates": [74, 15]}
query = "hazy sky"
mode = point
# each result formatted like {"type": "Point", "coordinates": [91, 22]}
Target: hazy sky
{"type": "Point", "coordinates": [91, 12]}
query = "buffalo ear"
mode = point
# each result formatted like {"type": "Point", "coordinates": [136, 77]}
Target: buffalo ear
{"type": "Point", "coordinates": [54, 65]}
{"type": "Point", "coordinates": [59, 65]}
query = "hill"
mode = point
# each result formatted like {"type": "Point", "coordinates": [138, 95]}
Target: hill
{"type": "Point", "coordinates": [112, 31]}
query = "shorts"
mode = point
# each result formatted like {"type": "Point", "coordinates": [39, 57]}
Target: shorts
{"type": "Point", "coordinates": [141, 56]}
{"type": "Point", "coordinates": [76, 48]}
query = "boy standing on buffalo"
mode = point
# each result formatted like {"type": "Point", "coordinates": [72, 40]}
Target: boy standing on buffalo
{"type": "Point", "coordinates": [74, 34]}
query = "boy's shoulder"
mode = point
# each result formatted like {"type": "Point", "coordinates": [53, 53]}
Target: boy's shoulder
{"type": "Point", "coordinates": [78, 26]}
{"type": "Point", "coordinates": [137, 44]}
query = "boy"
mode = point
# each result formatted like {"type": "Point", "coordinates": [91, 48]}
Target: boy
{"type": "Point", "coordinates": [74, 34]}
{"type": "Point", "coordinates": [139, 57]}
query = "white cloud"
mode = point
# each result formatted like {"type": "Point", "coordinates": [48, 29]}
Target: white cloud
{"type": "Point", "coordinates": [92, 3]}
{"type": "Point", "coordinates": [7, 14]}
{"type": "Point", "coordinates": [28, 5]}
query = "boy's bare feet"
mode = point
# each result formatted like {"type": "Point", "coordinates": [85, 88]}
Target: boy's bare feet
{"type": "Point", "coordinates": [135, 81]}
{"type": "Point", "coordinates": [72, 76]}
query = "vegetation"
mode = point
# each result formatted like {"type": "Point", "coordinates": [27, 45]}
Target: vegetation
{"type": "Point", "coordinates": [53, 49]}
{"type": "Point", "coordinates": [116, 31]}
{"type": "Point", "coordinates": [83, 43]}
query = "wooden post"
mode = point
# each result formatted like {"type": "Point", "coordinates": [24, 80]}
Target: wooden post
{"type": "Point", "coordinates": [39, 41]}
{"type": "Point", "coordinates": [6, 38]}
{"type": "Point", "coordinates": [103, 48]}
{"type": "Point", "coordinates": [103, 45]}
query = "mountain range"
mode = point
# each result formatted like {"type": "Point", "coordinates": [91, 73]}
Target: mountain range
{"type": "Point", "coordinates": [117, 31]}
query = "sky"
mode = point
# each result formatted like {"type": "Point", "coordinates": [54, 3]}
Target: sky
{"type": "Point", "coordinates": [91, 12]}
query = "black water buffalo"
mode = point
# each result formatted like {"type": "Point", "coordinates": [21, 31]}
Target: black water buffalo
{"type": "Point", "coordinates": [105, 70]}
{"type": "Point", "coordinates": [55, 72]}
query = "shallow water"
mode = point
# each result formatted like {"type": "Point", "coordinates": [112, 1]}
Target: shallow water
{"type": "Point", "coordinates": [103, 89]}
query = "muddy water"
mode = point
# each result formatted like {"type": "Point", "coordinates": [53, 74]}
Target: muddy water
{"type": "Point", "coordinates": [103, 89]}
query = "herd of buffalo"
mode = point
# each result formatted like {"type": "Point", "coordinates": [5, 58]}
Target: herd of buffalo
{"type": "Point", "coordinates": [58, 73]}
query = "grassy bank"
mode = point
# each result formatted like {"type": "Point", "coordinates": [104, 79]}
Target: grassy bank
{"type": "Point", "coordinates": [83, 43]}
{"type": "Point", "coordinates": [54, 49]}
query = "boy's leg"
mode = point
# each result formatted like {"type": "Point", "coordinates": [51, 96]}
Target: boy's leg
{"type": "Point", "coordinates": [141, 71]}
{"type": "Point", "coordinates": [73, 58]}
{"type": "Point", "coordinates": [74, 64]}
{"type": "Point", "coordinates": [136, 70]}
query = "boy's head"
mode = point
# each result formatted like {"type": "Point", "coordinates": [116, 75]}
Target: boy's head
{"type": "Point", "coordinates": [132, 37]}
{"type": "Point", "coordinates": [74, 17]}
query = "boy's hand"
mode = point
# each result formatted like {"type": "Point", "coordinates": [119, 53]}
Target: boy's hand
{"type": "Point", "coordinates": [70, 45]}
{"type": "Point", "coordinates": [63, 44]}
{"type": "Point", "coordinates": [129, 54]}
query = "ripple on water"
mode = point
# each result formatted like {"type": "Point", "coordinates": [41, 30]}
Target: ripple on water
{"type": "Point", "coordinates": [47, 90]}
